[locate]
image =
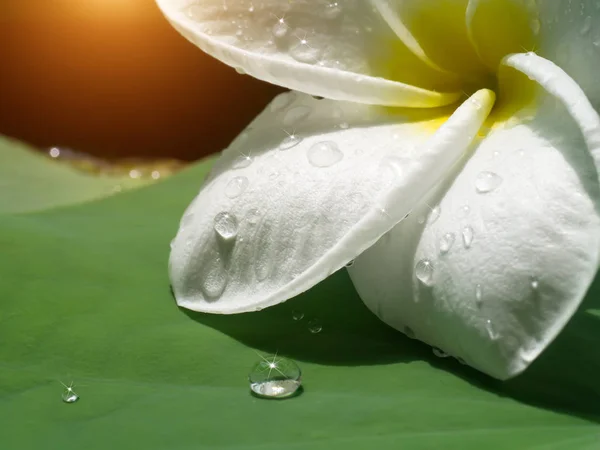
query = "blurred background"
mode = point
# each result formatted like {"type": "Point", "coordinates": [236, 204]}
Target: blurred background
{"type": "Point", "coordinates": [112, 79]}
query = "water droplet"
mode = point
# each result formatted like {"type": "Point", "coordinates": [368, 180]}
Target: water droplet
{"type": "Point", "coordinates": [214, 279]}
{"type": "Point", "coordinates": [478, 295]}
{"type": "Point", "coordinates": [236, 187]}
{"type": "Point", "coordinates": [275, 377]}
{"type": "Point", "coordinates": [280, 29]}
{"type": "Point", "coordinates": [253, 216]}
{"type": "Point", "coordinates": [487, 182]}
{"type": "Point", "coordinates": [297, 315]}
{"type": "Point", "coordinates": [69, 395]}
{"type": "Point", "coordinates": [464, 211]}
{"type": "Point", "coordinates": [290, 141]}
{"type": "Point", "coordinates": [435, 213]}
{"type": "Point", "coordinates": [467, 236]}
{"type": "Point", "coordinates": [240, 70]}
{"type": "Point", "coordinates": [424, 272]}
{"type": "Point", "coordinates": [296, 115]}
{"type": "Point", "coordinates": [282, 101]}
{"type": "Point", "coordinates": [226, 225]}
{"type": "Point", "coordinates": [332, 10]}
{"type": "Point", "coordinates": [350, 263]}
{"type": "Point", "coordinates": [314, 326]}
{"type": "Point", "coordinates": [54, 152]}
{"type": "Point", "coordinates": [172, 243]}
{"type": "Point", "coordinates": [304, 52]}
{"type": "Point", "coordinates": [534, 283]}
{"type": "Point", "coordinates": [408, 331]}
{"type": "Point", "coordinates": [489, 327]}
{"type": "Point", "coordinates": [324, 154]}
{"type": "Point", "coordinates": [461, 361]}
{"type": "Point", "coordinates": [587, 25]}
{"type": "Point", "coordinates": [439, 353]}
{"type": "Point", "coordinates": [241, 162]}
{"type": "Point", "coordinates": [446, 242]}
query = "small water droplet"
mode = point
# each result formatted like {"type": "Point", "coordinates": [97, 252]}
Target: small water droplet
{"type": "Point", "coordinates": [408, 331]}
{"type": "Point", "coordinates": [587, 25]}
{"type": "Point", "coordinates": [240, 70]}
{"type": "Point", "coordinates": [489, 327]}
{"type": "Point", "coordinates": [487, 182]}
{"type": "Point", "coordinates": [282, 101]}
{"type": "Point", "coordinates": [350, 263]}
{"type": "Point", "coordinates": [424, 272]}
{"type": "Point", "coordinates": [305, 52]}
{"type": "Point", "coordinates": [236, 187]}
{"type": "Point", "coordinates": [253, 216]}
{"type": "Point", "coordinates": [280, 29]}
{"type": "Point", "coordinates": [439, 353]}
{"type": "Point", "coordinates": [226, 225]}
{"type": "Point", "coordinates": [446, 242]}
{"type": "Point", "coordinates": [534, 283]}
{"type": "Point", "coordinates": [314, 326]}
{"type": "Point", "coordinates": [290, 141]}
{"type": "Point", "coordinates": [297, 315]}
{"type": "Point", "coordinates": [296, 115]}
{"type": "Point", "coordinates": [332, 10]}
{"type": "Point", "coordinates": [467, 236]}
{"type": "Point", "coordinates": [478, 295]}
{"type": "Point", "coordinates": [241, 162]}
{"type": "Point", "coordinates": [275, 377]}
{"type": "Point", "coordinates": [69, 396]}
{"type": "Point", "coordinates": [324, 154]}
{"type": "Point", "coordinates": [434, 214]}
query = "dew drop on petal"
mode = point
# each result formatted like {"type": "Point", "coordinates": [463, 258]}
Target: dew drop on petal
{"type": "Point", "coordinates": [439, 353]}
{"type": "Point", "coordinates": [236, 187]}
{"type": "Point", "coordinates": [324, 154]}
{"type": "Point", "coordinates": [446, 242]}
{"type": "Point", "coordinates": [275, 377]}
{"type": "Point", "coordinates": [289, 142]}
{"type": "Point", "coordinates": [489, 328]}
{"type": "Point", "coordinates": [296, 115]}
{"type": "Point", "coordinates": [282, 101]}
{"type": "Point", "coordinates": [424, 272]}
{"type": "Point", "coordinates": [467, 236]}
{"type": "Point", "coordinates": [280, 29]}
{"type": "Point", "coordinates": [297, 315]}
{"type": "Point", "coordinates": [226, 225]}
{"type": "Point", "coordinates": [350, 263]}
{"type": "Point", "coordinates": [478, 295]}
{"type": "Point", "coordinates": [302, 51]}
{"type": "Point", "coordinates": [241, 162]}
{"type": "Point", "coordinates": [487, 182]}
{"type": "Point", "coordinates": [69, 397]}
{"type": "Point", "coordinates": [314, 326]}
{"type": "Point", "coordinates": [332, 10]}
{"type": "Point", "coordinates": [434, 215]}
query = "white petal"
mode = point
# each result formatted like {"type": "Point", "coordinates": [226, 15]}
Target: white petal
{"type": "Point", "coordinates": [436, 32]}
{"type": "Point", "coordinates": [292, 217]}
{"type": "Point", "coordinates": [343, 52]}
{"type": "Point", "coordinates": [516, 244]}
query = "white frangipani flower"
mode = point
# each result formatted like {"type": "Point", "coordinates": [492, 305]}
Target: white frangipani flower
{"type": "Point", "coordinates": [473, 219]}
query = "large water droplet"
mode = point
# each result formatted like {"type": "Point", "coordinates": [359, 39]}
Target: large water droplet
{"type": "Point", "coordinates": [350, 263]}
{"type": "Point", "coordinates": [290, 141]}
{"type": "Point", "coordinates": [446, 242]}
{"type": "Point", "coordinates": [214, 279]}
{"type": "Point", "coordinates": [487, 182]}
{"type": "Point", "coordinates": [305, 52]}
{"type": "Point", "coordinates": [332, 10]}
{"type": "Point", "coordinates": [236, 187]}
{"type": "Point", "coordinates": [69, 395]}
{"type": "Point", "coordinates": [424, 272]}
{"type": "Point", "coordinates": [296, 115]}
{"type": "Point", "coordinates": [467, 236]}
{"type": "Point", "coordinates": [324, 154]}
{"type": "Point", "coordinates": [297, 315]}
{"type": "Point", "coordinates": [275, 377]}
{"type": "Point", "coordinates": [241, 162]}
{"type": "Point", "coordinates": [439, 353]}
{"type": "Point", "coordinates": [434, 214]}
{"type": "Point", "coordinates": [315, 326]}
{"type": "Point", "coordinates": [226, 225]}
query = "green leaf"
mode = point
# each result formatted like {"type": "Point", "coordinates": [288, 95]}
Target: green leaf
{"type": "Point", "coordinates": [84, 297]}
{"type": "Point", "coordinates": [29, 181]}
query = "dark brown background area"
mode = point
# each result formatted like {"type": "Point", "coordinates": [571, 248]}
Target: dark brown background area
{"type": "Point", "coordinates": [112, 78]}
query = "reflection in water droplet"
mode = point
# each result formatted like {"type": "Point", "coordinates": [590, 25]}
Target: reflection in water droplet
{"type": "Point", "coordinates": [467, 236]}
{"type": "Point", "coordinates": [314, 326]}
{"type": "Point", "coordinates": [478, 295]}
{"type": "Point", "coordinates": [253, 216]}
{"type": "Point", "coordinates": [236, 187]}
{"type": "Point", "coordinates": [439, 353]}
{"type": "Point", "coordinates": [226, 225]}
{"type": "Point", "coordinates": [487, 182]}
{"type": "Point", "coordinates": [275, 377]}
{"type": "Point", "coordinates": [489, 327]}
{"type": "Point", "coordinates": [241, 162]}
{"type": "Point", "coordinates": [297, 315]}
{"type": "Point", "coordinates": [424, 272]}
{"type": "Point", "coordinates": [290, 141]}
{"type": "Point", "coordinates": [446, 242]}
{"type": "Point", "coordinates": [408, 331]}
{"type": "Point", "coordinates": [324, 154]}
{"type": "Point", "coordinates": [296, 114]}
